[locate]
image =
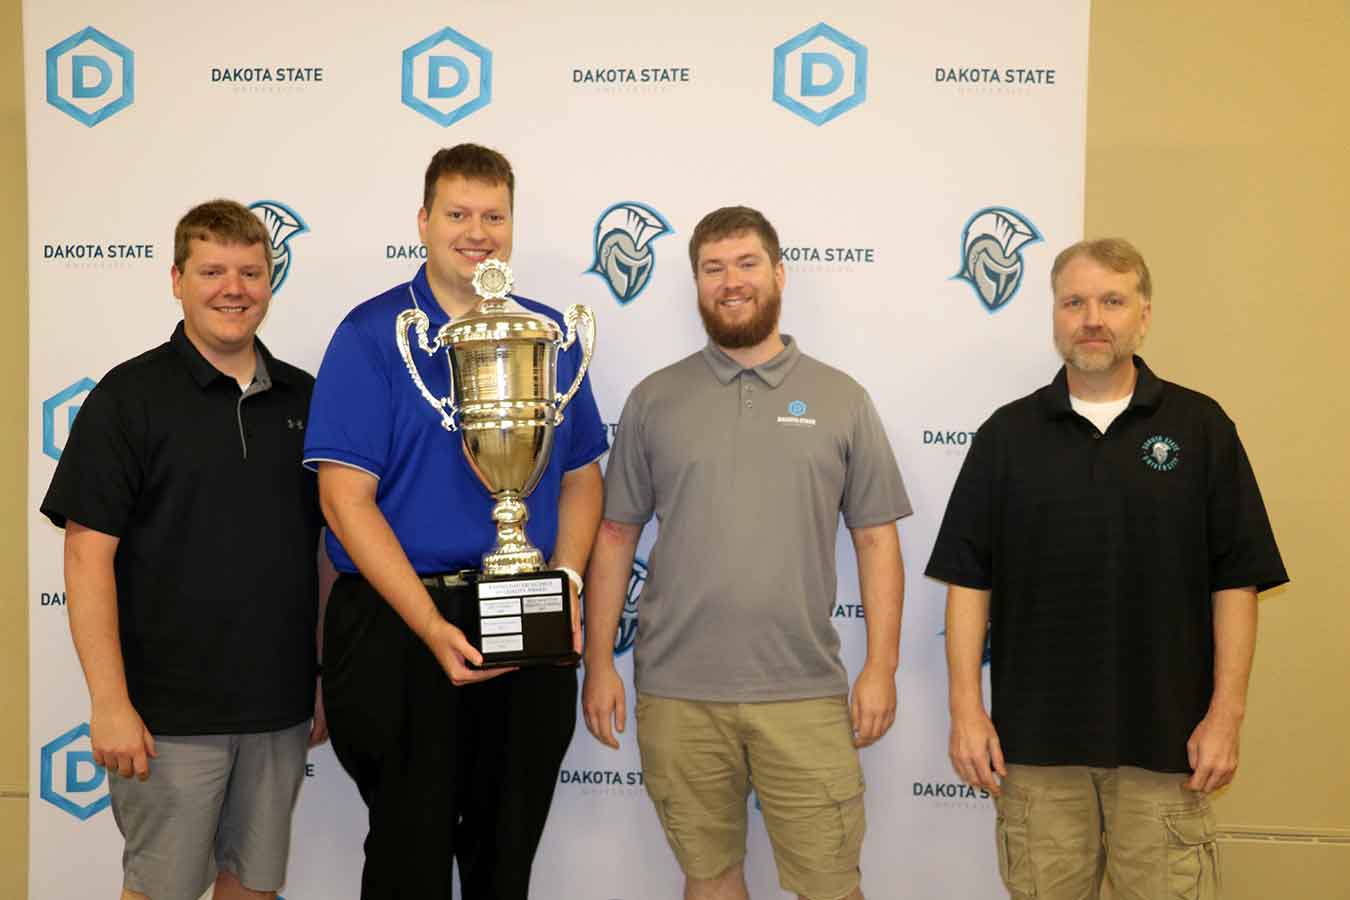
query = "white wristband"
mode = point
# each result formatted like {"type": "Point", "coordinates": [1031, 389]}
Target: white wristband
{"type": "Point", "coordinates": [573, 576]}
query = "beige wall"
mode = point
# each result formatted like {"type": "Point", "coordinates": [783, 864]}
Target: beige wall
{"type": "Point", "coordinates": [13, 469]}
{"type": "Point", "coordinates": [1218, 142]}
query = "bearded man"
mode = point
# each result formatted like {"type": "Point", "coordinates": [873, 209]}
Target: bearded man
{"type": "Point", "coordinates": [747, 452]}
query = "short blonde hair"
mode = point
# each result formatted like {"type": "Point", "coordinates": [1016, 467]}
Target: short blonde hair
{"type": "Point", "coordinates": [1116, 254]}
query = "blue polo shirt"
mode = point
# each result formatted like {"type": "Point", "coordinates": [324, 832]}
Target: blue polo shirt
{"type": "Point", "coordinates": [367, 413]}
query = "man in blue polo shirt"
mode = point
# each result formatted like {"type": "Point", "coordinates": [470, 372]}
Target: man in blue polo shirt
{"type": "Point", "coordinates": [454, 763]}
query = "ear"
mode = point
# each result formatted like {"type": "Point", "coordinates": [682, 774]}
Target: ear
{"type": "Point", "coordinates": [176, 277]}
{"type": "Point", "coordinates": [780, 275]}
{"type": "Point", "coordinates": [422, 217]}
{"type": "Point", "coordinates": [1145, 317]}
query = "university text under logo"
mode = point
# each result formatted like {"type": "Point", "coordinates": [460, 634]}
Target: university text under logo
{"type": "Point", "coordinates": [58, 415]}
{"type": "Point", "coordinates": [1160, 453]}
{"type": "Point", "coordinates": [90, 76]}
{"type": "Point", "coordinates": [283, 223]}
{"type": "Point", "coordinates": [991, 254]}
{"type": "Point", "coordinates": [820, 74]}
{"type": "Point", "coordinates": [796, 414]}
{"type": "Point", "coordinates": [623, 250]}
{"type": "Point", "coordinates": [70, 780]}
{"type": "Point", "coordinates": [447, 76]}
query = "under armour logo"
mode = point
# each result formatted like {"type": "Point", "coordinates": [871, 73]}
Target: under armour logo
{"type": "Point", "coordinates": [296, 424]}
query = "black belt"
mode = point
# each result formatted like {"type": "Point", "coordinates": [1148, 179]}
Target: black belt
{"type": "Point", "coordinates": [462, 578]}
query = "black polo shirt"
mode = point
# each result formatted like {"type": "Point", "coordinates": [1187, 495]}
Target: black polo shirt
{"type": "Point", "coordinates": [1101, 552]}
{"type": "Point", "coordinates": [218, 525]}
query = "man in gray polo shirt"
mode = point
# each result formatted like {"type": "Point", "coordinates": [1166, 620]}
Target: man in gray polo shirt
{"type": "Point", "coordinates": [747, 452]}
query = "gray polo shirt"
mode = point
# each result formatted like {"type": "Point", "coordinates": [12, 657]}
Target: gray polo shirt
{"type": "Point", "coordinates": [747, 472]}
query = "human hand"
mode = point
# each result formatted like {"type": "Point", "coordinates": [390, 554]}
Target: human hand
{"type": "Point", "coordinates": [872, 707]}
{"type": "Point", "coordinates": [1213, 751]}
{"type": "Point", "coordinates": [576, 618]}
{"type": "Point", "coordinates": [454, 652]}
{"type": "Point", "coordinates": [603, 701]}
{"type": "Point", "coordinates": [121, 742]}
{"type": "Point", "coordinates": [975, 751]}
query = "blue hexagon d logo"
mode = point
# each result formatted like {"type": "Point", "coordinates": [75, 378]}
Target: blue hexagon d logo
{"type": "Point", "coordinates": [71, 780]}
{"type": "Point", "coordinates": [820, 74]}
{"type": "Point", "coordinates": [90, 76]}
{"type": "Point", "coordinates": [447, 76]}
{"type": "Point", "coordinates": [58, 415]}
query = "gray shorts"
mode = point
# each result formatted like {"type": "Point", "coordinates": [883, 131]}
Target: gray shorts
{"type": "Point", "coordinates": [216, 801]}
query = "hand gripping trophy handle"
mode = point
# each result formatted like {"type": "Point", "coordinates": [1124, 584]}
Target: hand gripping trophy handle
{"type": "Point", "coordinates": [580, 321]}
{"type": "Point", "coordinates": [418, 319]}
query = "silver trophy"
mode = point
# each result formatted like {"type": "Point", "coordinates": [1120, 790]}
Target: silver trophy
{"type": "Point", "coordinates": [505, 404]}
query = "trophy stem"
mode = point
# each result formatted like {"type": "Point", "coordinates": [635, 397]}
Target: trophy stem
{"type": "Point", "coordinates": [514, 553]}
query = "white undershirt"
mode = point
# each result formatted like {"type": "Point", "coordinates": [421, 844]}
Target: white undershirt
{"type": "Point", "coordinates": [1100, 414]}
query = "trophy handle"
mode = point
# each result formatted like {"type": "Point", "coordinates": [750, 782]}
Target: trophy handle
{"type": "Point", "coordinates": [576, 315]}
{"type": "Point", "coordinates": [418, 319]}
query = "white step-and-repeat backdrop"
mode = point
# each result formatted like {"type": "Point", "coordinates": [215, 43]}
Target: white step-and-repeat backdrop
{"type": "Point", "coordinates": [922, 162]}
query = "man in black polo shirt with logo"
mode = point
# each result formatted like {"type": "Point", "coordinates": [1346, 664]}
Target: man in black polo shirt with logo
{"type": "Point", "coordinates": [1108, 533]}
{"type": "Point", "coordinates": [190, 559]}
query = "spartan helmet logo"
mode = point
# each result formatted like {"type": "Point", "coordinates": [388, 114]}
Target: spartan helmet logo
{"type": "Point", "coordinates": [623, 252]}
{"type": "Point", "coordinates": [1160, 453]}
{"type": "Point", "coordinates": [283, 223]}
{"type": "Point", "coordinates": [991, 248]}
{"type": "Point", "coordinates": [628, 622]}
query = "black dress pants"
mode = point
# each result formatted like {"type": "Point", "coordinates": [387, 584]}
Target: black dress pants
{"type": "Point", "coordinates": [447, 773]}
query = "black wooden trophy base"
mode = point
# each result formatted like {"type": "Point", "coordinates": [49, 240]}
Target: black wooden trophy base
{"type": "Point", "coordinates": [522, 620]}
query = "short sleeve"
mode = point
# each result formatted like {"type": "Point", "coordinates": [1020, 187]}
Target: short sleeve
{"type": "Point", "coordinates": [588, 436]}
{"type": "Point", "coordinates": [99, 476]}
{"type": "Point", "coordinates": [350, 414]}
{"type": "Point", "coordinates": [874, 492]}
{"type": "Point", "coordinates": [963, 552]}
{"type": "Point", "coordinates": [1242, 548]}
{"type": "Point", "coordinates": [628, 474]}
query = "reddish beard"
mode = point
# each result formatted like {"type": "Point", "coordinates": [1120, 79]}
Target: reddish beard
{"type": "Point", "coordinates": [749, 333]}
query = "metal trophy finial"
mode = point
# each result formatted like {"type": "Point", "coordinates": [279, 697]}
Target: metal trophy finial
{"type": "Point", "coordinates": [505, 403]}
{"type": "Point", "coordinates": [492, 279]}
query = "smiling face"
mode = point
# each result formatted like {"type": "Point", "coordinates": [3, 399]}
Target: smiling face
{"type": "Point", "coordinates": [225, 290]}
{"type": "Point", "coordinates": [1100, 316]}
{"type": "Point", "coordinates": [740, 291]}
{"type": "Point", "coordinates": [469, 221]}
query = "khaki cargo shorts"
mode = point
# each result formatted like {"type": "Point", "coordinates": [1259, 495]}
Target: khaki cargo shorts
{"type": "Point", "coordinates": [1072, 832]}
{"type": "Point", "coordinates": [700, 761]}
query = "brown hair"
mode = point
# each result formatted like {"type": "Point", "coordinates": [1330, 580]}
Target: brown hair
{"type": "Point", "coordinates": [469, 161]}
{"type": "Point", "coordinates": [224, 221]}
{"type": "Point", "coordinates": [1116, 254]}
{"type": "Point", "coordinates": [729, 221]}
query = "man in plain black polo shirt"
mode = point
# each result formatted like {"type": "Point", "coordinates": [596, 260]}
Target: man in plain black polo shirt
{"type": "Point", "coordinates": [190, 561]}
{"type": "Point", "coordinates": [1108, 534]}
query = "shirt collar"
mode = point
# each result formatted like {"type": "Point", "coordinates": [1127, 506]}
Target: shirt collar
{"type": "Point", "coordinates": [426, 300]}
{"type": "Point", "coordinates": [204, 373]}
{"type": "Point", "coordinates": [771, 373]}
{"type": "Point", "coordinates": [1148, 390]}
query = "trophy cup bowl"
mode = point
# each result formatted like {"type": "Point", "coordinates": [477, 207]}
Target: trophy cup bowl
{"type": "Point", "coordinates": [505, 404]}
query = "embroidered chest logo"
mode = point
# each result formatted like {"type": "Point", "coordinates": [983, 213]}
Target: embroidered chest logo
{"type": "Point", "coordinates": [295, 424]}
{"type": "Point", "coordinates": [796, 415]}
{"type": "Point", "coordinates": [1160, 453]}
